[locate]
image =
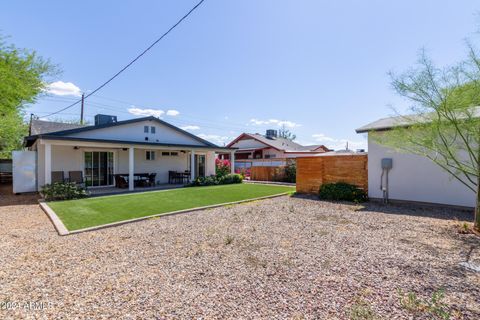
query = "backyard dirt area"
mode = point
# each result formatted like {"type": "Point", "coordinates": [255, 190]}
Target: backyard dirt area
{"type": "Point", "coordinates": [285, 258]}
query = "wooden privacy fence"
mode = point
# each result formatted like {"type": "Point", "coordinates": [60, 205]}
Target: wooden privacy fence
{"type": "Point", "coordinates": [264, 173]}
{"type": "Point", "coordinates": [312, 172]}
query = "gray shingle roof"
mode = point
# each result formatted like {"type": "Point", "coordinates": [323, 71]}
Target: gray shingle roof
{"type": "Point", "coordinates": [384, 124]}
{"type": "Point", "coordinates": [282, 143]}
{"type": "Point", "coordinates": [43, 127]}
{"type": "Point", "coordinates": [403, 121]}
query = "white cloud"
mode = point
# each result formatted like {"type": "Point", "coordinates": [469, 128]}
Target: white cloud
{"type": "Point", "coordinates": [60, 88]}
{"type": "Point", "coordinates": [190, 128]}
{"type": "Point", "coordinates": [275, 122]}
{"type": "Point", "coordinates": [146, 112]}
{"type": "Point", "coordinates": [320, 137]}
{"type": "Point", "coordinates": [338, 144]}
{"type": "Point", "coordinates": [217, 139]}
{"type": "Point", "coordinates": [173, 113]}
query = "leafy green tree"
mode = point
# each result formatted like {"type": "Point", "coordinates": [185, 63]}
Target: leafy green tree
{"type": "Point", "coordinates": [22, 80]}
{"type": "Point", "coordinates": [444, 123]}
{"type": "Point", "coordinates": [286, 134]}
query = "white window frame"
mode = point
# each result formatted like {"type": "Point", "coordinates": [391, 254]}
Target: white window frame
{"type": "Point", "coordinates": [149, 154]}
{"type": "Point", "coordinates": [145, 129]}
{"type": "Point", "coordinates": [153, 130]}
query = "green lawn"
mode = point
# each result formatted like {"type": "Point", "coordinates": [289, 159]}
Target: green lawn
{"type": "Point", "coordinates": [79, 214]}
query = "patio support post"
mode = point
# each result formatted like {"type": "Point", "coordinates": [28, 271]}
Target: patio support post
{"type": "Point", "coordinates": [131, 166]}
{"type": "Point", "coordinates": [192, 165]}
{"type": "Point", "coordinates": [232, 162]}
{"type": "Point", "coordinates": [48, 163]}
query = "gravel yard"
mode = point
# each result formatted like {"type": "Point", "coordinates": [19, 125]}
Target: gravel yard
{"type": "Point", "coordinates": [287, 258]}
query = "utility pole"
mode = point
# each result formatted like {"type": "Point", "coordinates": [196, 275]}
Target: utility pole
{"type": "Point", "coordinates": [81, 112]}
{"type": "Point", "coordinates": [30, 125]}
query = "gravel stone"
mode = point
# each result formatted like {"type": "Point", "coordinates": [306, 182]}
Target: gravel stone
{"type": "Point", "coordinates": [282, 258]}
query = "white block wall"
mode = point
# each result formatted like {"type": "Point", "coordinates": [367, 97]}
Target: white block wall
{"type": "Point", "coordinates": [415, 178]}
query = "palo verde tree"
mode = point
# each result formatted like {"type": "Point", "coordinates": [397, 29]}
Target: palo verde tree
{"type": "Point", "coordinates": [286, 134]}
{"type": "Point", "coordinates": [444, 123]}
{"type": "Point", "coordinates": [22, 80]}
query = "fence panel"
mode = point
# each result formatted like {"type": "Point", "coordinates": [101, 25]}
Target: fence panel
{"type": "Point", "coordinates": [312, 172]}
{"type": "Point", "coordinates": [264, 173]}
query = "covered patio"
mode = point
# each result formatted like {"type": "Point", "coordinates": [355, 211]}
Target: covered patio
{"type": "Point", "coordinates": [117, 166]}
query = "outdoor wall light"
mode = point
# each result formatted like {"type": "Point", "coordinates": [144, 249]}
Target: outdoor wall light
{"type": "Point", "coordinates": [75, 148]}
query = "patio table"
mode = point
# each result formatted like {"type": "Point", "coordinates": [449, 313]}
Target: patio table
{"type": "Point", "coordinates": [140, 179]}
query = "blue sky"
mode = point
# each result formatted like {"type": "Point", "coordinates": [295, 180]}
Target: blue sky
{"type": "Point", "coordinates": [320, 67]}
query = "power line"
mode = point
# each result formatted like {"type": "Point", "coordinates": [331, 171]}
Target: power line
{"type": "Point", "coordinates": [134, 60]}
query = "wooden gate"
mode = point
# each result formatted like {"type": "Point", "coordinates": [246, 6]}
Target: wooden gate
{"type": "Point", "coordinates": [312, 172]}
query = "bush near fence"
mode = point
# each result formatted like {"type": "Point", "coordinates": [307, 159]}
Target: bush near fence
{"type": "Point", "coordinates": [313, 172]}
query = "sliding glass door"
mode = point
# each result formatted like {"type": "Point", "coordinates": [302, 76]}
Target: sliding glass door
{"type": "Point", "coordinates": [199, 165]}
{"type": "Point", "coordinates": [98, 168]}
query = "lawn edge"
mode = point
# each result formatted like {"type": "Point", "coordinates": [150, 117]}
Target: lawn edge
{"type": "Point", "coordinates": [56, 221]}
{"type": "Point", "coordinates": [123, 194]}
{"type": "Point", "coordinates": [118, 223]}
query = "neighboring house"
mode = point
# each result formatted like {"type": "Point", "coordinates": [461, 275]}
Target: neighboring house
{"type": "Point", "coordinates": [270, 146]}
{"type": "Point", "coordinates": [412, 177]}
{"type": "Point", "coordinates": [144, 145]}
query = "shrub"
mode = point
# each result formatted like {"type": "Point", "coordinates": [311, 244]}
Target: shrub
{"type": "Point", "coordinates": [222, 167]}
{"type": "Point", "coordinates": [342, 191]}
{"type": "Point", "coordinates": [216, 180]}
{"type": "Point", "coordinates": [63, 191]}
{"type": "Point", "coordinates": [435, 307]}
{"type": "Point", "coordinates": [205, 181]}
{"type": "Point", "coordinates": [231, 178]}
{"type": "Point", "coordinates": [291, 172]}
{"type": "Point", "coordinates": [244, 172]}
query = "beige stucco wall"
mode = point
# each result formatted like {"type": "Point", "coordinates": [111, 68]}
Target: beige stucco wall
{"type": "Point", "coordinates": [66, 158]}
{"type": "Point", "coordinates": [210, 163]}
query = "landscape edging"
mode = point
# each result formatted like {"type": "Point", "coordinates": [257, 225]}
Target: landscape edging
{"type": "Point", "coordinates": [63, 231]}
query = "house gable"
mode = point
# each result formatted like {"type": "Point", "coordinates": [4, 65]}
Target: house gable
{"type": "Point", "coordinates": [135, 131]}
{"type": "Point", "coordinates": [247, 143]}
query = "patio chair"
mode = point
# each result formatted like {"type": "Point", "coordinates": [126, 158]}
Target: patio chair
{"type": "Point", "coordinates": [186, 176]}
{"type": "Point", "coordinates": [151, 179]}
{"type": "Point", "coordinates": [171, 176]}
{"type": "Point", "coordinates": [76, 177]}
{"type": "Point", "coordinates": [58, 177]}
{"type": "Point", "coordinates": [120, 181]}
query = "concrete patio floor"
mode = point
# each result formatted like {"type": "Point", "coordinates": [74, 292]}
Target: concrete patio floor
{"type": "Point", "coordinates": [106, 191]}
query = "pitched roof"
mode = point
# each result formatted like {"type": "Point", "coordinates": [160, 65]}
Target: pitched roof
{"type": "Point", "coordinates": [402, 121]}
{"type": "Point", "coordinates": [279, 143]}
{"type": "Point", "coordinates": [79, 128]}
{"type": "Point", "coordinates": [30, 140]}
{"type": "Point", "coordinates": [317, 147]}
{"type": "Point", "coordinates": [43, 127]}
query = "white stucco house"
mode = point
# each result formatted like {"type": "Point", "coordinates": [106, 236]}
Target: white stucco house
{"type": "Point", "coordinates": [111, 147]}
{"type": "Point", "coordinates": [412, 178]}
